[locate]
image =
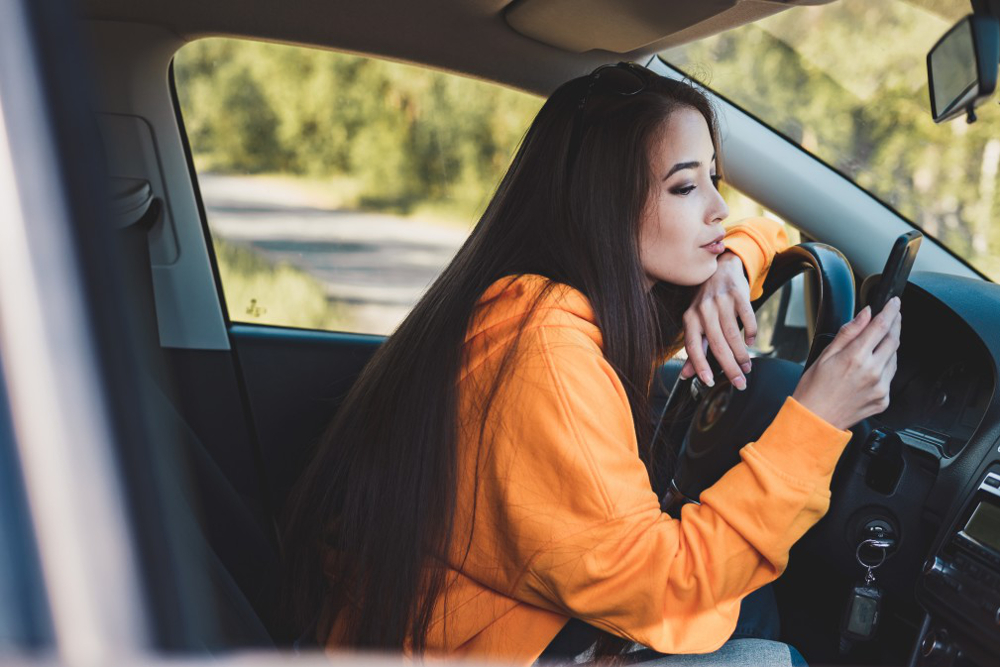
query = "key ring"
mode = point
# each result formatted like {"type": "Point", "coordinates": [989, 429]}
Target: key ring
{"type": "Point", "coordinates": [878, 544]}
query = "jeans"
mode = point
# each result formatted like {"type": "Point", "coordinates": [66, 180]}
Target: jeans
{"type": "Point", "coordinates": [758, 616]}
{"type": "Point", "coordinates": [753, 643]}
{"type": "Point", "coordinates": [734, 653]}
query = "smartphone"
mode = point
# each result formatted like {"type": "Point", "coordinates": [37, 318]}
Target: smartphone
{"type": "Point", "coordinates": [896, 271]}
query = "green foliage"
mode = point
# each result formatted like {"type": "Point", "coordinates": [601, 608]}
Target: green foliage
{"type": "Point", "coordinates": [261, 292]}
{"type": "Point", "coordinates": [245, 138]}
{"type": "Point", "coordinates": [848, 82]}
{"type": "Point", "coordinates": [408, 137]}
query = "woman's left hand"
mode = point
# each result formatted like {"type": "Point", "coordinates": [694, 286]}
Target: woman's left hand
{"type": "Point", "coordinates": [711, 322]}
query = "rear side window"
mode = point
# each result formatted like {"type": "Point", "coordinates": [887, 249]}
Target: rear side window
{"type": "Point", "coordinates": [338, 187]}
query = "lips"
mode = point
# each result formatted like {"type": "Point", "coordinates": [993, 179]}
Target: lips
{"type": "Point", "coordinates": [717, 239]}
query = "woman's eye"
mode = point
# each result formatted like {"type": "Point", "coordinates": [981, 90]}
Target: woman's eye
{"type": "Point", "coordinates": [688, 189]}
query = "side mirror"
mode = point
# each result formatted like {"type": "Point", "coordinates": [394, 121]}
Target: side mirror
{"type": "Point", "coordinates": [962, 67]}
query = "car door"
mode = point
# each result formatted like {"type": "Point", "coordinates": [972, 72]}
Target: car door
{"type": "Point", "coordinates": [331, 203]}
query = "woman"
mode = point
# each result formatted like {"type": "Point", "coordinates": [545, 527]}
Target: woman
{"type": "Point", "coordinates": [488, 476]}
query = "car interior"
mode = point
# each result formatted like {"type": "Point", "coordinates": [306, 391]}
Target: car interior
{"type": "Point", "coordinates": [237, 407]}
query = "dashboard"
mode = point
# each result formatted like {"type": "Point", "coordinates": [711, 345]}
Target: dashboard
{"type": "Point", "coordinates": [923, 472]}
{"type": "Point", "coordinates": [924, 475]}
{"type": "Point", "coordinates": [944, 382]}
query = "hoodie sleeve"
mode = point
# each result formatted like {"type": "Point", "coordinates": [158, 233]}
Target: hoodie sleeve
{"type": "Point", "coordinates": [582, 531]}
{"type": "Point", "coordinates": [756, 241]}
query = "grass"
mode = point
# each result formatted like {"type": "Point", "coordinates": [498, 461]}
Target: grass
{"type": "Point", "coordinates": [259, 291]}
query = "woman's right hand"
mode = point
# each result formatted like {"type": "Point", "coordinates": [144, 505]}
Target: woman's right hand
{"type": "Point", "coordinates": [850, 379]}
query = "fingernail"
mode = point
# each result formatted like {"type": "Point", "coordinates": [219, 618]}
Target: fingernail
{"type": "Point", "coordinates": [740, 383]}
{"type": "Point", "coordinates": [707, 379]}
{"type": "Point", "coordinates": [745, 367]}
{"type": "Point", "coordinates": [751, 340]}
{"type": "Point", "coordinates": [862, 312]}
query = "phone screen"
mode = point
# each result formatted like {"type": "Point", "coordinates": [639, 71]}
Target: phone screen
{"type": "Point", "coordinates": [896, 271]}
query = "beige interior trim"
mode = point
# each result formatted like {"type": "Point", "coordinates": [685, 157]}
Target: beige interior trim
{"type": "Point", "coordinates": [625, 26]}
{"type": "Point", "coordinates": [516, 44]}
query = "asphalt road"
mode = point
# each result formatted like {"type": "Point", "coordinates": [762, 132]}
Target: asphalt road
{"type": "Point", "coordinates": [378, 265]}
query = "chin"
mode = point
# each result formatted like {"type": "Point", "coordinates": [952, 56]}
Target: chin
{"type": "Point", "coordinates": [710, 268]}
{"type": "Point", "coordinates": [699, 272]}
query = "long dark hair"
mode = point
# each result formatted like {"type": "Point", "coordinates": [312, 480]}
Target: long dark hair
{"type": "Point", "coordinates": [376, 505]}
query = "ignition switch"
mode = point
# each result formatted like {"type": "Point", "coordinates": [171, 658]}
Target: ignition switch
{"type": "Point", "coordinates": [881, 530]}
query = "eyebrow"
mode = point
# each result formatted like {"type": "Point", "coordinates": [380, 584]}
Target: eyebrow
{"type": "Point", "coordinates": [684, 165]}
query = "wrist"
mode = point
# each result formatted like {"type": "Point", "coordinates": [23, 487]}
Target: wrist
{"type": "Point", "coordinates": [731, 258]}
{"type": "Point", "coordinates": [806, 401]}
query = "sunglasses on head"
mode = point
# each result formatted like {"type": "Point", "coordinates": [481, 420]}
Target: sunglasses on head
{"type": "Point", "coordinates": [622, 79]}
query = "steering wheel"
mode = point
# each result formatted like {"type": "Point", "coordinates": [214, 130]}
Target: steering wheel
{"type": "Point", "coordinates": [725, 419]}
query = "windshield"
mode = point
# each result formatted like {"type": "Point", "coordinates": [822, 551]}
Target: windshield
{"type": "Point", "coordinates": [848, 82]}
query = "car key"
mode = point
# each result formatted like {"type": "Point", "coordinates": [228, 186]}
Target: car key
{"type": "Point", "coordinates": [865, 600]}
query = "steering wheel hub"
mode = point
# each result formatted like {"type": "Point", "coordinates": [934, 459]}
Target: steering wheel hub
{"type": "Point", "coordinates": [715, 408]}
{"type": "Point", "coordinates": [725, 417]}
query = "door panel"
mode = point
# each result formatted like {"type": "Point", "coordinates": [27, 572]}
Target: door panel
{"type": "Point", "coordinates": [295, 379]}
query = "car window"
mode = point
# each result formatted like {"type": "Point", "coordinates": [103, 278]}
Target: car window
{"type": "Point", "coordinates": [24, 625]}
{"type": "Point", "coordinates": [781, 329]}
{"type": "Point", "coordinates": [741, 207]}
{"type": "Point", "coordinates": [337, 187]}
{"type": "Point", "coordinates": [847, 81]}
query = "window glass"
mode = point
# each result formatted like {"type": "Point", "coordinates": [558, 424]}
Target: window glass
{"type": "Point", "coordinates": [742, 207]}
{"type": "Point", "coordinates": [781, 329]}
{"type": "Point", "coordinates": [847, 81]}
{"type": "Point", "coordinates": [338, 187]}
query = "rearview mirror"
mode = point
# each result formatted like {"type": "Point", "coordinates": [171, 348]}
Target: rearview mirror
{"type": "Point", "coordinates": [962, 67]}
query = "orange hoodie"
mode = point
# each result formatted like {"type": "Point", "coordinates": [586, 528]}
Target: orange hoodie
{"type": "Point", "coordinates": [564, 522]}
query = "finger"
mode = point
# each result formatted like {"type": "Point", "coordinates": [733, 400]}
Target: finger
{"type": "Point", "coordinates": [749, 320]}
{"type": "Point", "coordinates": [888, 345]}
{"type": "Point", "coordinates": [890, 369]}
{"type": "Point", "coordinates": [850, 331]}
{"type": "Point", "coordinates": [693, 342]}
{"type": "Point", "coordinates": [687, 370]}
{"type": "Point", "coordinates": [877, 329]}
{"type": "Point", "coordinates": [885, 381]}
{"type": "Point", "coordinates": [724, 354]}
{"type": "Point", "coordinates": [731, 330]}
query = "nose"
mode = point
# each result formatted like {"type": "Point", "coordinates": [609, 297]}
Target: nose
{"type": "Point", "coordinates": [718, 210]}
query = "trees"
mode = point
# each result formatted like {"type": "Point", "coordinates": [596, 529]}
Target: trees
{"type": "Point", "coordinates": [848, 82]}
{"type": "Point", "coordinates": [405, 136]}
